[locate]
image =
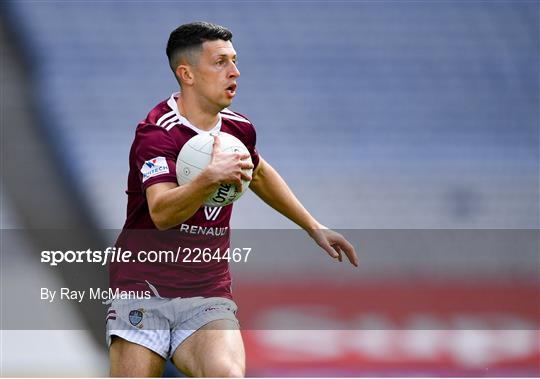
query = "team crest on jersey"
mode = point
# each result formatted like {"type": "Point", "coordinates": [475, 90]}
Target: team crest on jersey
{"type": "Point", "coordinates": [212, 213]}
{"type": "Point", "coordinates": [154, 167]}
{"type": "Point", "coordinates": [135, 317]}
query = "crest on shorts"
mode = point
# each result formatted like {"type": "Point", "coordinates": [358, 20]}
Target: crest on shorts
{"type": "Point", "coordinates": [135, 317]}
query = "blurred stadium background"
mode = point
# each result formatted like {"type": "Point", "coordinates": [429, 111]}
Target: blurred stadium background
{"type": "Point", "coordinates": [380, 115]}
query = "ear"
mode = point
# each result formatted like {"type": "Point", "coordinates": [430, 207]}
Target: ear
{"type": "Point", "coordinates": [184, 73]}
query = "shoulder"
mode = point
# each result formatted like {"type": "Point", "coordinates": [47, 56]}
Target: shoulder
{"type": "Point", "coordinates": [150, 136]}
{"type": "Point", "coordinates": [237, 121]}
{"type": "Point", "coordinates": [161, 115]}
{"type": "Point", "coordinates": [235, 116]}
{"type": "Point", "coordinates": [240, 126]}
{"type": "Point", "coordinates": [157, 124]}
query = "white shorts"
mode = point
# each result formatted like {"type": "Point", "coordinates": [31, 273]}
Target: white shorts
{"type": "Point", "coordinates": [162, 324]}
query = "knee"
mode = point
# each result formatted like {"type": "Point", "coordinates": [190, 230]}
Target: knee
{"type": "Point", "coordinates": [225, 369]}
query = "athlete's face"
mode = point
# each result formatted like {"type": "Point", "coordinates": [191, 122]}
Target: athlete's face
{"type": "Point", "coordinates": [215, 74]}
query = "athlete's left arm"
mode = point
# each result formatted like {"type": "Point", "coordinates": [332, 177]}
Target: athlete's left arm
{"type": "Point", "coordinates": [273, 190]}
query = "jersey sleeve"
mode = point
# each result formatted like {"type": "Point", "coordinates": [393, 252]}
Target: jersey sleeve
{"type": "Point", "coordinates": [155, 156]}
{"type": "Point", "coordinates": [251, 141]}
{"type": "Point", "coordinates": [253, 148]}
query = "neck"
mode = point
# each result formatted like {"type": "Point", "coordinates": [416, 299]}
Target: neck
{"type": "Point", "coordinates": [195, 112]}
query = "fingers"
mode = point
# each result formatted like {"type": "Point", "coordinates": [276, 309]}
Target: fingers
{"type": "Point", "coordinates": [339, 252]}
{"type": "Point", "coordinates": [216, 147]}
{"type": "Point", "coordinates": [245, 176]}
{"type": "Point", "coordinates": [246, 165]}
{"type": "Point", "coordinates": [335, 245]}
{"type": "Point", "coordinates": [239, 186]}
{"type": "Point", "coordinates": [233, 167]}
{"type": "Point", "coordinates": [329, 249]}
{"type": "Point", "coordinates": [349, 251]}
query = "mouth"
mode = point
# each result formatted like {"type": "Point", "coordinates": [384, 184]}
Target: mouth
{"type": "Point", "coordinates": [231, 90]}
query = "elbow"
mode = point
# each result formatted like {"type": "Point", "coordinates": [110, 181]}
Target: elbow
{"type": "Point", "coordinates": [161, 227]}
{"type": "Point", "coordinates": [163, 221]}
{"type": "Point", "coordinates": [159, 220]}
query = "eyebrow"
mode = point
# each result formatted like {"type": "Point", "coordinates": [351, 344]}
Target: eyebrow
{"type": "Point", "coordinates": [227, 56]}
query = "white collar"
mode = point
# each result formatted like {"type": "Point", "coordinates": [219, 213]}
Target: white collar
{"type": "Point", "coordinates": [184, 121]}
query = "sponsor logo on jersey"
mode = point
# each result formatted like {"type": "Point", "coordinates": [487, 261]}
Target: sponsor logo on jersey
{"type": "Point", "coordinates": [154, 167]}
{"type": "Point", "coordinates": [204, 230]}
{"type": "Point", "coordinates": [212, 213]}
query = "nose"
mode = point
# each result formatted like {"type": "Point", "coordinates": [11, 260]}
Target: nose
{"type": "Point", "coordinates": [235, 73]}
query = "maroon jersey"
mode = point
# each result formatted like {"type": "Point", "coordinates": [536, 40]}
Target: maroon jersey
{"type": "Point", "coordinates": [152, 159]}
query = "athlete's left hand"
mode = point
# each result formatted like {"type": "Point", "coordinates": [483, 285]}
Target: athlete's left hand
{"type": "Point", "coordinates": [334, 244]}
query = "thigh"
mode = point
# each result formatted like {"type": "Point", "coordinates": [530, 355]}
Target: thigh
{"type": "Point", "coordinates": [133, 360]}
{"type": "Point", "coordinates": [215, 350]}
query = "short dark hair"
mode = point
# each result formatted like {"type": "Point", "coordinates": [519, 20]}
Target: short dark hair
{"type": "Point", "coordinates": [188, 37]}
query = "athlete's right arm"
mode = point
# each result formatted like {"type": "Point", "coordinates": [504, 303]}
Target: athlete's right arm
{"type": "Point", "coordinates": [170, 204]}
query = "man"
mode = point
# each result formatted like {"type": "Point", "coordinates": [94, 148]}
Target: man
{"type": "Point", "coordinates": [191, 316]}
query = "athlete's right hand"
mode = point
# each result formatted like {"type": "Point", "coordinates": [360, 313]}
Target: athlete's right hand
{"type": "Point", "coordinates": [228, 168]}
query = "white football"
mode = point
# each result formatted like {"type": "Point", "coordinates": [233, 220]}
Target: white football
{"type": "Point", "coordinates": [196, 154]}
